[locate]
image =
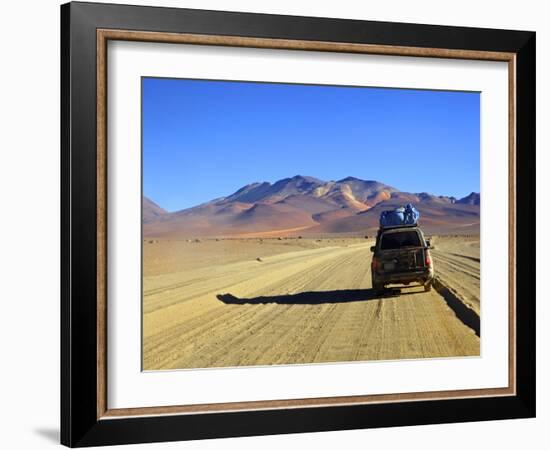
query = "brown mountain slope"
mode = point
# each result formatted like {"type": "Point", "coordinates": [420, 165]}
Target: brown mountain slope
{"type": "Point", "coordinates": [150, 210]}
{"type": "Point", "coordinates": [472, 199]}
{"type": "Point", "coordinates": [311, 206]}
{"type": "Point", "coordinates": [436, 216]}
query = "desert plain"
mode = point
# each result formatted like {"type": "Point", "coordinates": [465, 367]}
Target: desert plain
{"type": "Point", "coordinates": [253, 301]}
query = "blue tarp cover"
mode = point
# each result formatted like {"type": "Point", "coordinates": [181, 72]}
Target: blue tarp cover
{"type": "Point", "coordinates": [404, 216]}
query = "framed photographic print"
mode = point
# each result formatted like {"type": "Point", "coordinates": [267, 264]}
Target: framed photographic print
{"type": "Point", "coordinates": [276, 224]}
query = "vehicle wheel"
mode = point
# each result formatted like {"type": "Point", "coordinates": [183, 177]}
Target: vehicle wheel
{"type": "Point", "coordinates": [428, 286]}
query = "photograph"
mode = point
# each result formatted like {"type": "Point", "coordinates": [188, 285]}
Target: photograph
{"type": "Point", "coordinates": [292, 224]}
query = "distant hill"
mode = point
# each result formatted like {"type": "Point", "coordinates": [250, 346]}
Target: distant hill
{"type": "Point", "coordinates": [150, 211]}
{"type": "Point", "coordinates": [472, 199]}
{"type": "Point", "coordinates": [309, 206]}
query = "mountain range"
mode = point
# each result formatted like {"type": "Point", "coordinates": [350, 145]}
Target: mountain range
{"type": "Point", "coordinates": [304, 205]}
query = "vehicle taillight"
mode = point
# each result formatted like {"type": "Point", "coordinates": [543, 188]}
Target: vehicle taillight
{"type": "Point", "coordinates": [374, 265]}
{"type": "Point", "coordinates": [428, 260]}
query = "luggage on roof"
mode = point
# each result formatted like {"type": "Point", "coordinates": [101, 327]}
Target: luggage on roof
{"type": "Point", "coordinates": [399, 217]}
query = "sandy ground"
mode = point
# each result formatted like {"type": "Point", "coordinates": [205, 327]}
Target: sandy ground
{"type": "Point", "coordinates": [220, 303]}
{"type": "Point", "coordinates": [457, 264]}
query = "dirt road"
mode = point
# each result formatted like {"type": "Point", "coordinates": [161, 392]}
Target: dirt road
{"type": "Point", "coordinates": [310, 305]}
{"type": "Point", "coordinates": [458, 265]}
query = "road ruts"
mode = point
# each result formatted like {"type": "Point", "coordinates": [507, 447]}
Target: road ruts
{"type": "Point", "coordinates": [308, 306]}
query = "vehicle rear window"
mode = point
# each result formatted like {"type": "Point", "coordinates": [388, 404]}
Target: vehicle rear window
{"type": "Point", "coordinates": [393, 241]}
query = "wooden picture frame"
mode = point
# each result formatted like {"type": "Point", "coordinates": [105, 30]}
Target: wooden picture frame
{"type": "Point", "coordinates": [86, 418]}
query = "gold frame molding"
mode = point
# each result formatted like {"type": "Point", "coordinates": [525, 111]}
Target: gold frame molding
{"type": "Point", "coordinates": [103, 36]}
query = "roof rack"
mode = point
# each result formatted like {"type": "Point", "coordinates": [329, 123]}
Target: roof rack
{"type": "Point", "coordinates": [403, 225]}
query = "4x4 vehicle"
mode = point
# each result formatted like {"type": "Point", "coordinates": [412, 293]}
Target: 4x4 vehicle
{"type": "Point", "coordinates": [401, 256]}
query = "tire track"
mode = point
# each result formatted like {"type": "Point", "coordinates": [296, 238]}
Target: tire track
{"type": "Point", "coordinates": [186, 325]}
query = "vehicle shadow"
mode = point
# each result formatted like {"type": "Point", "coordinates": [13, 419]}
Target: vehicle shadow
{"type": "Point", "coordinates": [315, 297]}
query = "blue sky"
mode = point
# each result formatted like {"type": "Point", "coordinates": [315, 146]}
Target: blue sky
{"type": "Point", "coordinates": [206, 139]}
